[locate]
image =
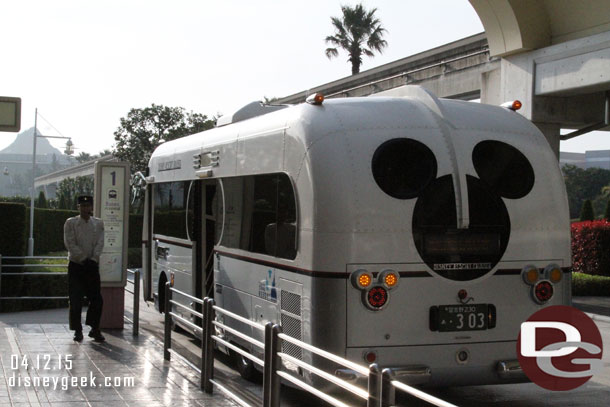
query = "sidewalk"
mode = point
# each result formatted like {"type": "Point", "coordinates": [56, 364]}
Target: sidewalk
{"type": "Point", "coordinates": [599, 306]}
{"type": "Point", "coordinates": [36, 347]}
{"type": "Point", "coordinates": [40, 365]}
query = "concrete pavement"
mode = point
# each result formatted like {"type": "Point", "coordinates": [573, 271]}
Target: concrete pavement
{"type": "Point", "coordinates": [40, 365]}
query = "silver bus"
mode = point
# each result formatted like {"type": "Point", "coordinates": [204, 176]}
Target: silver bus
{"type": "Point", "coordinates": [413, 232]}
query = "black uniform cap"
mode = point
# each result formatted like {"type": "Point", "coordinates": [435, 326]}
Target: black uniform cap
{"type": "Point", "coordinates": [85, 199]}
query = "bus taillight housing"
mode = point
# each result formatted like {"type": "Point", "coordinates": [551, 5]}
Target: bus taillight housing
{"type": "Point", "coordinates": [377, 297]}
{"type": "Point", "coordinates": [543, 291]}
{"type": "Point", "coordinates": [362, 279]}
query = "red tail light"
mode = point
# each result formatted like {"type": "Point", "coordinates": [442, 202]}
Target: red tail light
{"type": "Point", "coordinates": [543, 291]}
{"type": "Point", "coordinates": [377, 297]}
{"type": "Point", "coordinates": [370, 357]}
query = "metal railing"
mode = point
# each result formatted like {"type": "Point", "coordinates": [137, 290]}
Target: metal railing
{"type": "Point", "coordinates": [381, 385]}
{"type": "Point", "coordinates": [32, 273]}
{"type": "Point", "coordinates": [136, 300]}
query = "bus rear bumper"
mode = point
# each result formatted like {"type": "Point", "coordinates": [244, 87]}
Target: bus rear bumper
{"type": "Point", "coordinates": [447, 365]}
{"type": "Point", "coordinates": [508, 371]}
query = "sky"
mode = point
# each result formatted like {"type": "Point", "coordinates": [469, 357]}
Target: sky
{"type": "Point", "coordinates": [84, 65]}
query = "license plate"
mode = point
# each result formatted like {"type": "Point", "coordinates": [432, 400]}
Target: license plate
{"type": "Point", "coordinates": [471, 317]}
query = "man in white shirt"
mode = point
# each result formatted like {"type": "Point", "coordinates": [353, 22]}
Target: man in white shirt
{"type": "Point", "coordinates": [84, 239]}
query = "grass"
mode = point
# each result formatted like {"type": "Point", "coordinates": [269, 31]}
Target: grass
{"type": "Point", "coordinates": [63, 260]}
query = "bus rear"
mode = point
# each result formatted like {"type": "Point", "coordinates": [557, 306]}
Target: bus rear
{"type": "Point", "coordinates": [449, 223]}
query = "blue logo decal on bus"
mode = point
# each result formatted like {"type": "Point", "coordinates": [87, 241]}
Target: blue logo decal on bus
{"type": "Point", "coordinates": [266, 287]}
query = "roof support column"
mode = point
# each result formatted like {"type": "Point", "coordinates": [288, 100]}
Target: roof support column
{"type": "Point", "coordinates": [551, 132]}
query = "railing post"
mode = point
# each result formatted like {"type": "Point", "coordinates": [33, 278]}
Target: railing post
{"type": "Point", "coordinates": [274, 366]}
{"type": "Point", "coordinates": [374, 386]}
{"type": "Point", "coordinates": [168, 322]}
{"type": "Point", "coordinates": [136, 303]}
{"type": "Point", "coordinates": [388, 393]}
{"type": "Point", "coordinates": [207, 357]}
{"type": "Point", "coordinates": [267, 368]}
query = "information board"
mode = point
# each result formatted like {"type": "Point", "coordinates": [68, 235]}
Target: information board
{"type": "Point", "coordinates": [112, 206]}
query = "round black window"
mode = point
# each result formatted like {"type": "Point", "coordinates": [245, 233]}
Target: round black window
{"type": "Point", "coordinates": [403, 167]}
{"type": "Point", "coordinates": [504, 168]}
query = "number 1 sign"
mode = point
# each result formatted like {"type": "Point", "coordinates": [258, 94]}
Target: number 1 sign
{"type": "Point", "coordinates": [112, 206]}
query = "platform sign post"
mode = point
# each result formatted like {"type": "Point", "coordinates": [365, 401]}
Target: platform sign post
{"type": "Point", "coordinates": [112, 206]}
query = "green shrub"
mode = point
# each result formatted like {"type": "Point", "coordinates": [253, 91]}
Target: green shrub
{"type": "Point", "coordinates": [134, 257]}
{"type": "Point", "coordinates": [16, 199]}
{"type": "Point", "coordinates": [586, 213]}
{"type": "Point", "coordinates": [13, 226]}
{"type": "Point", "coordinates": [135, 230]}
{"type": "Point", "coordinates": [49, 229]}
{"type": "Point", "coordinates": [586, 285]}
{"type": "Point", "coordinates": [41, 202]}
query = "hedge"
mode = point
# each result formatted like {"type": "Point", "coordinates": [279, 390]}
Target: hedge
{"type": "Point", "coordinates": [13, 226]}
{"type": "Point", "coordinates": [591, 247]}
{"type": "Point", "coordinates": [13, 242]}
{"type": "Point", "coordinates": [586, 285]}
{"type": "Point", "coordinates": [49, 229]}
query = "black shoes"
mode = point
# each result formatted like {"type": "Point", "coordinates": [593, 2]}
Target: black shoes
{"type": "Point", "coordinates": [78, 336]}
{"type": "Point", "coordinates": [97, 336]}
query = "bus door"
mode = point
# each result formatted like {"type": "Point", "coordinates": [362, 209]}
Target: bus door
{"type": "Point", "coordinates": [205, 217]}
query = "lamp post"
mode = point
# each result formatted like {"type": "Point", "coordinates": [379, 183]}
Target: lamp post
{"type": "Point", "coordinates": [69, 150]}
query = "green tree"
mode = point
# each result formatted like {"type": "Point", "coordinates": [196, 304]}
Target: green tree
{"type": "Point", "coordinates": [584, 184]}
{"type": "Point", "coordinates": [41, 202]}
{"type": "Point", "coordinates": [70, 188]}
{"type": "Point", "coordinates": [61, 202]}
{"type": "Point", "coordinates": [356, 30]}
{"type": "Point", "coordinates": [144, 129]}
{"type": "Point", "coordinates": [83, 157]}
{"type": "Point", "coordinates": [587, 211]}
{"type": "Point", "coordinates": [607, 211]}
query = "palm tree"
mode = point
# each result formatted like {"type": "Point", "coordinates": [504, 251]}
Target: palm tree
{"type": "Point", "coordinates": [355, 30]}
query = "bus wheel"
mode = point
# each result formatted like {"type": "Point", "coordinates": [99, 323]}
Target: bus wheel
{"type": "Point", "coordinates": [244, 366]}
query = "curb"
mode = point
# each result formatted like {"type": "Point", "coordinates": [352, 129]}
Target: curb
{"type": "Point", "coordinates": [597, 317]}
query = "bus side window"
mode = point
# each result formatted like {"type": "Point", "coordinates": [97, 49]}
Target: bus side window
{"type": "Point", "coordinates": [260, 208]}
{"type": "Point", "coordinates": [280, 236]}
{"type": "Point", "coordinates": [260, 215]}
{"type": "Point", "coordinates": [170, 209]}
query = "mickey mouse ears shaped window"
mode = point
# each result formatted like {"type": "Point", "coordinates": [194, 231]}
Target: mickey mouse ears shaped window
{"type": "Point", "coordinates": [403, 167]}
{"type": "Point", "coordinates": [504, 168]}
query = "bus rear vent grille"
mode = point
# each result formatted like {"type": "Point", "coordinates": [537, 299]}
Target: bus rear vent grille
{"type": "Point", "coordinates": [291, 302]}
{"type": "Point", "coordinates": [291, 327]}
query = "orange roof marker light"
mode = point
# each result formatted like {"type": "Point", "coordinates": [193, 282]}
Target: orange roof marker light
{"type": "Point", "coordinates": [514, 105]}
{"type": "Point", "coordinates": [315, 99]}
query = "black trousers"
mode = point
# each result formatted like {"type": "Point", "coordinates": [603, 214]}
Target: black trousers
{"type": "Point", "coordinates": [84, 280]}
